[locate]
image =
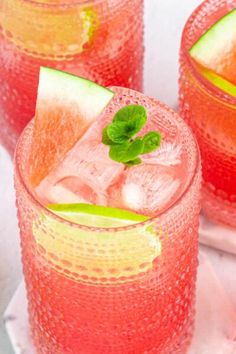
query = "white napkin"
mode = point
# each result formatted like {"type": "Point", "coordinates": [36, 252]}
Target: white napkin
{"type": "Point", "coordinates": [217, 236]}
{"type": "Point", "coordinates": [215, 318]}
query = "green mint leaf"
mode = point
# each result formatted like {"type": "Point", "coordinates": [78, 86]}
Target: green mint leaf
{"type": "Point", "coordinates": [105, 138]}
{"type": "Point", "coordinates": [118, 152]}
{"type": "Point", "coordinates": [135, 124]}
{"type": "Point", "coordinates": [120, 136]}
{"type": "Point", "coordinates": [135, 149]}
{"type": "Point", "coordinates": [127, 151]}
{"type": "Point", "coordinates": [134, 162]}
{"type": "Point", "coordinates": [132, 113]}
{"type": "Point", "coordinates": [120, 131]}
{"type": "Point", "coordinates": [117, 132]}
{"type": "Point", "coordinates": [151, 142]}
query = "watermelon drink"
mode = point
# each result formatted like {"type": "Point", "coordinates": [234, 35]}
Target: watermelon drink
{"type": "Point", "coordinates": [98, 39]}
{"type": "Point", "coordinates": [109, 248]}
{"type": "Point", "coordinates": [208, 101]}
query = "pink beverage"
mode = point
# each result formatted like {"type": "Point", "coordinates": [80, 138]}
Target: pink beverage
{"type": "Point", "coordinates": [98, 39]}
{"type": "Point", "coordinates": [115, 289]}
{"type": "Point", "coordinates": [211, 112]}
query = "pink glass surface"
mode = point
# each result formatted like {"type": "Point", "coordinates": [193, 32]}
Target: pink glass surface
{"type": "Point", "coordinates": [118, 290]}
{"type": "Point", "coordinates": [212, 116]}
{"type": "Point", "coordinates": [98, 39]}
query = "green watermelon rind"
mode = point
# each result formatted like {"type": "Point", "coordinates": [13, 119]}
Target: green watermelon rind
{"type": "Point", "coordinates": [89, 97]}
{"type": "Point", "coordinates": [211, 43]}
{"type": "Point", "coordinates": [218, 35]}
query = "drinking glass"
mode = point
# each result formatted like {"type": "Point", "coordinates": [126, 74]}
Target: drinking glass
{"type": "Point", "coordinates": [98, 39]}
{"type": "Point", "coordinates": [212, 115]}
{"type": "Point", "coordinates": [113, 290]}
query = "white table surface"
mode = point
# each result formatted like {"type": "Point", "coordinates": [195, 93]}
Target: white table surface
{"type": "Point", "coordinates": [164, 23]}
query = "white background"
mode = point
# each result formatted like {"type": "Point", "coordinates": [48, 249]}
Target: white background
{"type": "Point", "coordinates": [164, 22]}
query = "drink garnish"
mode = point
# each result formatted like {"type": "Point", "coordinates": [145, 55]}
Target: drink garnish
{"type": "Point", "coordinates": [121, 136]}
{"type": "Point", "coordinates": [215, 53]}
{"type": "Point", "coordinates": [135, 247]}
{"type": "Point", "coordinates": [96, 215]}
{"type": "Point", "coordinates": [63, 114]}
{"type": "Point", "coordinates": [65, 33]}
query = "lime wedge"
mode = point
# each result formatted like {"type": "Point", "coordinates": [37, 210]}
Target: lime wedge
{"type": "Point", "coordinates": [219, 81]}
{"type": "Point", "coordinates": [100, 255]}
{"type": "Point", "coordinates": [96, 215]}
{"type": "Point", "coordinates": [60, 32]}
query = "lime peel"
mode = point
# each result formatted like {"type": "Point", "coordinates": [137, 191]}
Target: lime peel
{"type": "Point", "coordinates": [77, 254]}
{"type": "Point", "coordinates": [219, 81]}
{"type": "Point", "coordinates": [102, 215]}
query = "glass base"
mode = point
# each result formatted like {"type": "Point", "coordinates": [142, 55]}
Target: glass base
{"type": "Point", "coordinates": [217, 332]}
{"type": "Point", "coordinates": [218, 209]}
{"type": "Point", "coordinates": [182, 344]}
{"type": "Point", "coordinates": [179, 344]}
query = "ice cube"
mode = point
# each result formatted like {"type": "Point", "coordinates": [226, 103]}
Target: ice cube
{"type": "Point", "coordinates": [145, 189]}
{"type": "Point", "coordinates": [58, 192]}
{"type": "Point", "coordinates": [169, 154]}
{"type": "Point", "coordinates": [84, 175]}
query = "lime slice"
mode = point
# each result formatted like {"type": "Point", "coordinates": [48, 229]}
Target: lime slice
{"type": "Point", "coordinates": [96, 215]}
{"type": "Point", "coordinates": [215, 50]}
{"type": "Point", "coordinates": [54, 32]}
{"type": "Point", "coordinates": [100, 255]}
{"type": "Point", "coordinates": [219, 81]}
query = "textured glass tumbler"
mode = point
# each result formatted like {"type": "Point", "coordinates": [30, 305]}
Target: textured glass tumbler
{"type": "Point", "coordinates": [98, 39]}
{"type": "Point", "coordinates": [212, 115]}
{"type": "Point", "coordinates": [119, 290]}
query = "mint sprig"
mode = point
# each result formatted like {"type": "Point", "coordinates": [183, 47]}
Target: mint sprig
{"type": "Point", "coordinates": [120, 136]}
{"type": "Point", "coordinates": [151, 141]}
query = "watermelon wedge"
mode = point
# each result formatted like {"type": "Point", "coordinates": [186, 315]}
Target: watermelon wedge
{"type": "Point", "coordinates": [66, 106]}
{"type": "Point", "coordinates": [216, 51]}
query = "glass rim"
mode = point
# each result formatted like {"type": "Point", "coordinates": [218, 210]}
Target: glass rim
{"type": "Point", "coordinates": [215, 92]}
{"type": "Point", "coordinates": [17, 162]}
{"type": "Point", "coordinates": [63, 4]}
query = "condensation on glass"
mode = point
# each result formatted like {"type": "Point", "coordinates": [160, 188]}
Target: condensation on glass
{"type": "Point", "coordinates": [99, 39]}
{"type": "Point", "coordinates": [113, 291]}
{"type": "Point", "coordinates": [212, 116]}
